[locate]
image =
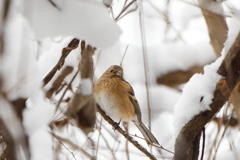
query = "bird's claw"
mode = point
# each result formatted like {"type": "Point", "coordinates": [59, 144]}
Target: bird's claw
{"type": "Point", "coordinates": [115, 125]}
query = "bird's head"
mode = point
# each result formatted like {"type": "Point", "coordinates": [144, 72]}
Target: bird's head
{"type": "Point", "coordinates": [115, 70]}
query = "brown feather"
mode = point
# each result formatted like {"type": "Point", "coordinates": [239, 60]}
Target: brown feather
{"type": "Point", "coordinates": [111, 89]}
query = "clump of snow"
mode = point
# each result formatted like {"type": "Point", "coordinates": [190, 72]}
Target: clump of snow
{"type": "Point", "coordinates": [36, 122]}
{"type": "Point", "coordinates": [21, 79]}
{"type": "Point", "coordinates": [234, 29]}
{"type": "Point", "coordinates": [85, 87]}
{"type": "Point", "coordinates": [212, 5]}
{"type": "Point", "coordinates": [198, 92]}
{"type": "Point", "coordinates": [17, 65]}
{"type": "Point", "coordinates": [197, 95]}
{"type": "Point", "coordinates": [41, 145]}
{"type": "Point", "coordinates": [82, 19]}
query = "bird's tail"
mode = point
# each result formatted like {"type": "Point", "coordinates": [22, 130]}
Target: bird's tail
{"type": "Point", "coordinates": [146, 133]}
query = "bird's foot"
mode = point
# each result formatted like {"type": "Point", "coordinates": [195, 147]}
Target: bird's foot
{"type": "Point", "coordinates": [116, 125]}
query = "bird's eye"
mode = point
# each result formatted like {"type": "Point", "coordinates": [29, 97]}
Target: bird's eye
{"type": "Point", "coordinates": [111, 71]}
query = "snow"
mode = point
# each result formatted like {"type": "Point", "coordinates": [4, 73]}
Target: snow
{"type": "Point", "coordinates": [83, 19]}
{"type": "Point", "coordinates": [197, 95]}
{"type": "Point", "coordinates": [179, 45]}
{"type": "Point", "coordinates": [212, 5]}
{"type": "Point", "coordinates": [22, 80]}
{"type": "Point", "coordinates": [202, 85]}
{"type": "Point", "coordinates": [86, 87]}
{"type": "Point", "coordinates": [41, 142]}
{"type": "Point", "coordinates": [234, 29]}
{"type": "Point", "coordinates": [17, 65]}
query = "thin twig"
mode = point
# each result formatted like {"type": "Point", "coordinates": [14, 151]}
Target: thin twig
{"type": "Point", "coordinates": [157, 146]}
{"type": "Point", "coordinates": [166, 19]}
{"type": "Point", "coordinates": [59, 113]}
{"type": "Point", "coordinates": [226, 126]}
{"type": "Point", "coordinates": [125, 3]}
{"type": "Point", "coordinates": [127, 151]}
{"type": "Point", "coordinates": [110, 133]}
{"type": "Point", "coordinates": [98, 56]}
{"type": "Point", "coordinates": [145, 60]}
{"type": "Point", "coordinates": [107, 145]}
{"type": "Point", "coordinates": [122, 132]}
{"type": "Point", "coordinates": [124, 55]}
{"type": "Point", "coordinates": [68, 86]}
{"type": "Point", "coordinates": [64, 146]}
{"type": "Point", "coordinates": [124, 9]}
{"type": "Point", "coordinates": [60, 88]}
{"type": "Point", "coordinates": [99, 136]}
{"type": "Point", "coordinates": [219, 124]}
{"type": "Point", "coordinates": [132, 10]}
{"type": "Point", "coordinates": [92, 145]}
{"type": "Point", "coordinates": [203, 143]}
{"type": "Point", "coordinates": [111, 11]}
{"type": "Point", "coordinates": [54, 4]}
{"type": "Point", "coordinates": [161, 147]}
{"type": "Point", "coordinates": [75, 147]}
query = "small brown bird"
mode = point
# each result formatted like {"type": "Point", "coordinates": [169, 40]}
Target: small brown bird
{"type": "Point", "coordinates": [116, 97]}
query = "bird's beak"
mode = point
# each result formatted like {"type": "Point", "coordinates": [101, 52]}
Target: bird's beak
{"type": "Point", "coordinates": [119, 73]}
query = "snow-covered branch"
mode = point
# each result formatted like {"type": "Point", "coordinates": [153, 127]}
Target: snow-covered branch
{"type": "Point", "coordinates": [188, 126]}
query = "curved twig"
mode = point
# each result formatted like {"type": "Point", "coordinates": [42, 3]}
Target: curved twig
{"type": "Point", "coordinates": [65, 51]}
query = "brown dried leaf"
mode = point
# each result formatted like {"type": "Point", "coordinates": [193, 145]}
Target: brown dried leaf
{"type": "Point", "coordinates": [57, 83]}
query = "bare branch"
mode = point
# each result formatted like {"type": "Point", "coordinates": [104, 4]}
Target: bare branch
{"type": "Point", "coordinates": [122, 132]}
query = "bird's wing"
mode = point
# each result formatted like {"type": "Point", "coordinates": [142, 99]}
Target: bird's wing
{"type": "Point", "coordinates": [137, 108]}
{"type": "Point", "coordinates": [130, 92]}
